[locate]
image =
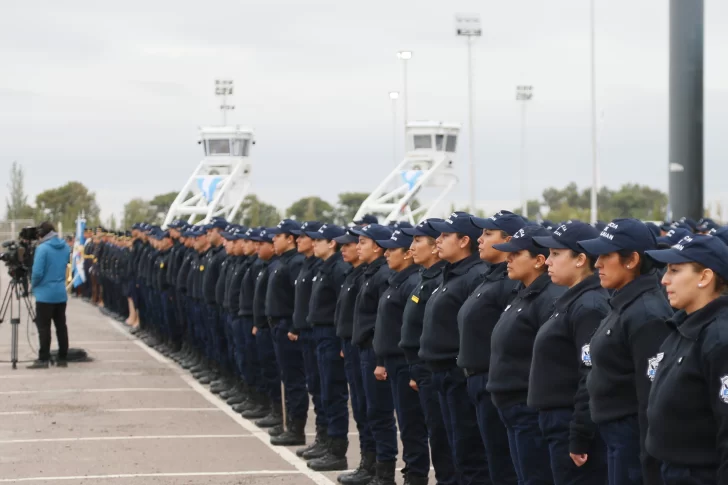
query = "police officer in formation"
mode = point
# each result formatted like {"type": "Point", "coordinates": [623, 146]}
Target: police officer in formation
{"type": "Point", "coordinates": [502, 351]}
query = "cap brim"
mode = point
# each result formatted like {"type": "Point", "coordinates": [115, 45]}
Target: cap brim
{"type": "Point", "coordinates": [315, 235]}
{"type": "Point", "coordinates": [389, 244]}
{"type": "Point", "coordinates": [296, 232]}
{"type": "Point", "coordinates": [414, 231]}
{"type": "Point", "coordinates": [482, 223]}
{"type": "Point", "coordinates": [549, 242]}
{"type": "Point", "coordinates": [346, 239]}
{"type": "Point", "coordinates": [668, 256]}
{"type": "Point", "coordinates": [508, 247]}
{"type": "Point", "coordinates": [443, 227]}
{"type": "Point", "coordinates": [358, 232]}
{"type": "Point", "coordinates": [598, 246]}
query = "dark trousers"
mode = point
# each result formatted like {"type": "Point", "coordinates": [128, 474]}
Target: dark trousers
{"type": "Point", "coordinates": [313, 379]}
{"type": "Point", "coordinates": [44, 313]}
{"type": "Point", "coordinates": [252, 372]}
{"type": "Point", "coordinates": [493, 432]}
{"type": "Point", "coordinates": [465, 440]}
{"type": "Point", "coordinates": [352, 367]}
{"type": "Point", "coordinates": [680, 475]}
{"type": "Point", "coordinates": [622, 438]}
{"type": "Point", "coordinates": [293, 375]}
{"type": "Point", "coordinates": [380, 407]}
{"type": "Point", "coordinates": [411, 419]}
{"type": "Point", "coordinates": [440, 451]}
{"type": "Point", "coordinates": [270, 374]}
{"type": "Point", "coordinates": [554, 425]}
{"type": "Point", "coordinates": [334, 392]}
{"type": "Point", "coordinates": [529, 449]}
{"type": "Point", "coordinates": [236, 343]}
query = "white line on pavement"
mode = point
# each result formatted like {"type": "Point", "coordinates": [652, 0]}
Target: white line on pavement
{"type": "Point", "coordinates": [122, 389]}
{"type": "Point", "coordinates": [116, 410]}
{"type": "Point", "coordinates": [151, 475]}
{"type": "Point", "coordinates": [94, 374]}
{"type": "Point", "coordinates": [125, 438]}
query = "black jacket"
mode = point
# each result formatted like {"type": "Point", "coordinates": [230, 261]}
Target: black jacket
{"type": "Point", "coordinates": [344, 315]}
{"type": "Point", "coordinates": [560, 349]}
{"type": "Point", "coordinates": [414, 311]}
{"type": "Point", "coordinates": [479, 314]}
{"type": "Point", "coordinates": [161, 267]}
{"type": "Point", "coordinates": [247, 290]}
{"type": "Point", "coordinates": [688, 405]}
{"type": "Point", "coordinates": [234, 283]}
{"type": "Point", "coordinates": [513, 337]}
{"type": "Point", "coordinates": [325, 290]}
{"type": "Point", "coordinates": [194, 278]}
{"type": "Point", "coordinates": [260, 319]}
{"type": "Point", "coordinates": [175, 262]}
{"type": "Point", "coordinates": [281, 294]}
{"type": "Point", "coordinates": [222, 281]}
{"type": "Point", "coordinates": [210, 269]}
{"type": "Point", "coordinates": [303, 284]}
{"type": "Point", "coordinates": [374, 282]}
{"type": "Point", "coordinates": [184, 269]}
{"type": "Point", "coordinates": [390, 310]}
{"type": "Point", "coordinates": [440, 342]}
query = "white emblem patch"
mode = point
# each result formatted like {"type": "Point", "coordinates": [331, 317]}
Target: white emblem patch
{"type": "Point", "coordinates": [653, 364]}
{"type": "Point", "coordinates": [586, 355]}
{"type": "Point", "coordinates": [724, 389]}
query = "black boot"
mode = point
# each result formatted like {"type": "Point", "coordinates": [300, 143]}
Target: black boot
{"type": "Point", "coordinates": [385, 473]}
{"type": "Point", "coordinates": [38, 364]}
{"type": "Point", "coordinates": [295, 434]}
{"type": "Point", "coordinates": [260, 409]}
{"type": "Point", "coordinates": [363, 473]}
{"type": "Point", "coordinates": [276, 430]}
{"type": "Point", "coordinates": [335, 457]}
{"type": "Point", "coordinates": [317, 449]}
{"type": "Point", "coordinates": [273, 418]}
{"type": "Point", "coordinates": [415, 480]}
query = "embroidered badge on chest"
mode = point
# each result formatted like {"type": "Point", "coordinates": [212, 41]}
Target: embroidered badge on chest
{"type": "Point", "coordinates": [653, 364]}
{"type": "Point", "coordinates": [724, 389]}
{"type": "Point", "coordinates": [586, 355]}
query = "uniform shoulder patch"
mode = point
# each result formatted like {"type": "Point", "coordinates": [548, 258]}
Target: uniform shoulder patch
{"type": "Point", "coordinates": [653, 364]}
{"type": "Point", "coordinates": [415, 299]}
{"type": "Point", "coordinates": [202, 267]}
{"type": "Point", "coordinates": [586, 355]}
{"type": "Point", "coordinates": [724, 389]}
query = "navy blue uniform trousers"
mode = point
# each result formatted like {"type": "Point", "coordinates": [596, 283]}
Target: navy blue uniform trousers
{"type": "Point", "coordinates": [380, 407]}
{"type": "Point", "coordinates": [332, 374]}
{"type": "Point", "coordinates": [352, 367]}
{"type": "Point", "coordinates": [270, 373]}
{"type": "Point", "coordinates": [622, 438]}
{"type": "Point", "coordinates": [251, 368]}
{"type": "Point", "coordinates": [679, 475]}
{"type": "Point", "coordinates": [529, 449]}
{"type": "Point", "coordinates": [313, 379]}
{"type": "Point", "coordinates": [293, 375]}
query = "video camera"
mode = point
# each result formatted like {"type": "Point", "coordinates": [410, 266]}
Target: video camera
{"type": "Point", "coordinates": [18, 255]}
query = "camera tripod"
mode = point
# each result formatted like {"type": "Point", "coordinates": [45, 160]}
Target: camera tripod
{"type": "Point", "coordinates": [15, 293]}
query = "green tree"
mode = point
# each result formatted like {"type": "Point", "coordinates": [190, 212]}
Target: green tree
{"type": "Point", "coordinates": [137, 210]}
{"type": "Point", "coordinates": [254, 212]}
{"type": "Point", "coordinates": [161, 204]}
{"type": "Point", "coordinates": [533, 206]}
{"type": "Point", "coordinates": [17, 206]}
{"type": "Point", "coordinates": [65, 203]}
{"type": "Point", "coordinates": [347, 206]}
{"type": "Point", "coordinates": [311, 209]}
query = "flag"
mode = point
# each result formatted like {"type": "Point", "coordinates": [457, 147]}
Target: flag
{"type": "Point", "coordinates": [79, 276]}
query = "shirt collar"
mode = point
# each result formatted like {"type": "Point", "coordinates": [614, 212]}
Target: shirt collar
{"type": "Point", "coordinates": [462, 266]}
{"type": "Point", "coordinates": [633, 290]}
{"type": "Point", "coordinates": [573, 293]}
{"type": "Point", "coordinates": [691, 325]}
{"type": "Point", "coordinates": [374, 266]}
{"type": "Point", "coordinates": [434, 270]}
{"type": "Point", "coordinates": [496, 272]}
{"type": "Point", "coordinates": [400, 277]}
{"type": "Point", "coordinates": [536, 287]}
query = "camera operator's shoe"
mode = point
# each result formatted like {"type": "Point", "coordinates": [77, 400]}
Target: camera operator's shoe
{"type": "Point", "coordinates": [38, 364]}
{"type": "Point", "coordinates": [62, 363]}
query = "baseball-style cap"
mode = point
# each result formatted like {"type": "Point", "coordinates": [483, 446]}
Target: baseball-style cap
{"type": "Point", "coordinates": [500, 221]}
{"type": "Point", "coordinates": [721, 233]}
{"type": "Point", "coordinates": [654, 228]}
{"type": "Point", "coordinates": [263, 235]}
{"type": "Point", "coordinates": [367, 219]}
{"type": "Point", "coordinates": [707, 224]}
{"type": "Point", "coordinates": [327, 231]}
{"type": "Point", "coordinates": [567, 236]}
{"type": "Point", "coordinates": [308, 226]}
{"type": "Point", "coordinates": [216, 223]}
{"type": "Point", "coordinates": [458, 222]}
{"type": "Point", "coordinates": [373, 231]}
{"type": "Point", "coordinates": [178, 224]}
{"type": "Point", "coordinates": [673, 236]}
{"type": "Point", "coordinates": [394, 225]}
{"type": "Point", "coordinates": [234, 233]}
{"type": "Point", "coordinates": [424, 228]}
{"type": "Point", "coordinates": [689, 222]}
{"type": "Point", "coordinates": [706, 250]}
{"type": "Point", "coordinates": [284, 227]}
{"type": "Point", "coordinates": [398, 239]}
{"type": "Point", "coordinates": [628, 234]}
{"type": "Point", "coordinates": [523, 239]}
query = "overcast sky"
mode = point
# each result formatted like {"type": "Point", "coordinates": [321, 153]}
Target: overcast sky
{"type": "Point", "coordinates": [111, 93]}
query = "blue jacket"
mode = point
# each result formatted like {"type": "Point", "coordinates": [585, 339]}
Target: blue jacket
{"type": "Point", "coordinates": [49, 270]}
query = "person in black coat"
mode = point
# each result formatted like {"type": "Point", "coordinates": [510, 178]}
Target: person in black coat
{"type": "Point", "coordinates": [511, 351]}
{"type": "Point", "coordinates": [561, 347]}
{"type": "Point", "coordinates": [624, 350]}
{"type": "Point", "coordinates": [688, 406]}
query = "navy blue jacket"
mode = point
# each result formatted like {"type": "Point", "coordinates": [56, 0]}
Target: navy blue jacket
{"type": "Point", "coordinates": [325, 290]}
{"type": "Point", "coordinates": [281, 295]}
{"type": "Point", "coordinates": [344, 315]}
{"type": "Point", "coordinates": [175, 262]}
{"type": "Point", "coordinates": [234, 285]}
{"type": "Point", "coordinates": [479, 314]}
{"type": "Point", "coordinates": [440, 342]}
{"type": "Point", "coordinates": [184, 269]}
{"type": "Point", "coordinates": [561, 347]}
{"type": "Point", "coordinates": [414, 311]}
{"type": "Point", "coordinates": [688, 405]}
{"type": "Point", "coordinates": [247, 291]}
{"type": "Point", "coordinates": [210, 269]}
{"type": "Point", "coordinates": [194, 278]}
{"type": "Point", "coordinates": [303, 284]}
{"type": "Point", "coordinates": [222, 281]}
{"type": "Point", "coordinates": [374, 282]}
{"type": "Point", "coordinates": [260, 318]}
{"type": "Point", "coordinates": [390, 312]}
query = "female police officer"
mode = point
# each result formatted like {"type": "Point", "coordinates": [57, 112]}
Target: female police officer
{"type": "Point", "coordinates": [624, 349]}
{"type": "Point", "coordinates": [511, 351]}
{"type": "Point", "coordinates": [560, 346]}
{"type": "Point", "coordinates": [688, 406]}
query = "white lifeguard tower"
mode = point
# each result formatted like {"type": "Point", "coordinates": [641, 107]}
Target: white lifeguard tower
{"type": "Point", "coordinates": [429, 163]}
{"type": "Point", "coordinates": [222, 179]}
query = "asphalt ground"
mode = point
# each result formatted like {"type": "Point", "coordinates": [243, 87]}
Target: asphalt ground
{"type": "Point", "coordinates": [131, 416]}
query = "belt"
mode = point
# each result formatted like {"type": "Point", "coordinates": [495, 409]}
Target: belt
{"type": "Point", "coordinates": [474, 372]}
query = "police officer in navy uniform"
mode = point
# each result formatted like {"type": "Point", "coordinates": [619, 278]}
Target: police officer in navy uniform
{"type": "Point", "coordinates": [625, 348]}
{"type": "Point", "coordinates": [192, 357]}
{"type": "Point", "coordinates": [688, 406]}
{"type": "Point", "coordinates": [424, 254]}
{"type": "Point", "coordinates": [328, 452]}
{"type": "Point", "coordinates": [203, 372]}
{"type": "Point", "coordinates": [561, 355]}
{"type": "Point", "coordinates": [440, 342]}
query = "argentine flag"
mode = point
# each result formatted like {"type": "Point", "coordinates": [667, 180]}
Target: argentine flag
{"type": "Point", "coordinates": [79, 276]}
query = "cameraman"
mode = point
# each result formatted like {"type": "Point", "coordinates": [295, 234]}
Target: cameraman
{"type": "Point", "coordinates": [49, 286]}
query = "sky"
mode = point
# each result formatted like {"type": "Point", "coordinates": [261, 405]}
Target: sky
{"type": "Point", "coordinates": [111, 93]}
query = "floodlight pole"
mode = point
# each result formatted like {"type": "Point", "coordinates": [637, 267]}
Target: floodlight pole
{"type": "Point", "coordinates": [595, 161]}
{"type": "Point", "coordinates": [405, 56]}
{"type": "Point", "coordinates": [394, 95]}
{"type": "Point", "coordinates": [223, 89]}
{"type": "Point", "coordinates": [523, 94]}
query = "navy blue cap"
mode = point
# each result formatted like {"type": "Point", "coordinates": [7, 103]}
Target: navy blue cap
{"type": "Point", "coordinates": [192, 231]}
{"type": "Point", "coordinates": [398, 239]}
{"type": "Point", "coordinates": [567, 236]}
{"type": "Point", "coordinates": [367, 219]}
{"type": "Point", "coordinates": [628, 234]}
{"type": "Point", "coordinates": [377, 232]}
{"type": "Point", "coordinates": [262, 235]}
{"type": "Point", "coordinates": [400, 225]}
{"type": "Point", "coordinates": [286, 226]}
{"type": "Point", "coordinates": [178, 224]}
{"type": "Point", "coordinates": [548, 225]}
{"type": "Point", "coordinates": [347, 238]}
{"type": "Point", "coordinates": [424, 228]}
{"type": "Point", "coordinates": [138, 225]}
{"type": "Point", "coordinates": [654, 228]}
{"type": "Point", "coordinates": [159, 234]}
{"type": "Point", "coordinates": [251, 233]}
{"type": "Point", "coordinates": [688, 222]}
{"type": "Point", "coordinates": [500, 221]}
{"type": "Point", "coordinates": [523, 239]}
{"type": "Point", "coordinates": [600, 226]}
{"type": "Point", "coordinates": [706, 224]}
{"type": "Point", "coordinates": [721, 233]}
{"type": "Point", "coordinates": [679, 225]}
{"type": "Point", "coordinates": [216, 223]}
{"type": "Point", "coordinates": [706, 250]}
{"type": "Point", "coordinates": [328, 232]}
{"type": "Point", "coordinates": [458, 222]}
{"type": "Point", "coordinates": [234, 233]}
{"type": "Point", "coordinates": [306, 227]}
{"type": "Point", "coordinates": [673, 236]}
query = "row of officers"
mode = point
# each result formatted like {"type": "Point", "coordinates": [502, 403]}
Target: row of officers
{"type": "Point", "coordinates": [508, 352]}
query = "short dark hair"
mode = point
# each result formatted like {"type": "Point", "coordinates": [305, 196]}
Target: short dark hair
{"type": "Point", "coordinates": [473, 242]}
{"type": "Point", "coordinates": [590, 260]}
{"type": "Point", "coordinates": [46, 227]}
{"type": "Point", "coordinates": [646, 264]}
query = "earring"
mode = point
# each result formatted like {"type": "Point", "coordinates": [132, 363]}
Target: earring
{"type": "Point", "coordinates": [629, 266]}
{"type": "Point", "coordinates": [700, 285]}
